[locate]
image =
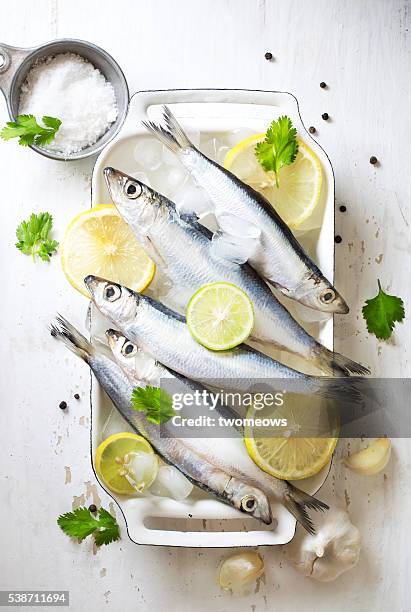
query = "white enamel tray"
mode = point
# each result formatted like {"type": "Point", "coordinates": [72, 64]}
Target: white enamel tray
{"type": "Point", "coordinates": [202, 521]}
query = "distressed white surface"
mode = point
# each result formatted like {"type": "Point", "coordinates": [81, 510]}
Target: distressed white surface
{"type": "Point", "coordinates": [362, 49]}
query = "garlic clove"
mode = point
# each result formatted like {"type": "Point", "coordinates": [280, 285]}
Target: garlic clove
{"type": "Point", "coordinates": [372, 459]}
{"type": "Point", "coordinates": [237, 570]}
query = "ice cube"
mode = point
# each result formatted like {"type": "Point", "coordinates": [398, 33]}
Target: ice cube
{"type": "Point", "coordinates": [176, 179]}
{"type": "Point", "coordinates": [221, 154]}
{"type": "Point", "coordinates": [192, 199]}
{"type": "Point", "coordinates": [170, 482]}
{"type": "Point", "coordinates": [210, 148]}
{"type": "Point", "coordinates": [147, 153]}
{"type": "Point", "coordinates": [140, 468]}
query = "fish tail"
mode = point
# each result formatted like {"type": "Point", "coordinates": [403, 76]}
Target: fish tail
{"type": "Point", "coordinates": [173, 135]}
{"type": "Point", "coordinates": [68, 334]}
{"type": "Point", "coordinates": [335, 364]}
{"type": "Point", "coordinates": [343, 390]}
{"type": "Point", "coordinates": [297, 501]}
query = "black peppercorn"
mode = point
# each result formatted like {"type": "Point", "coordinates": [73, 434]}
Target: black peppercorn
{"type": "Point", "coordinates": [76, 396]}
{"type": "Point", "coordinates": [312, 129]}
{"type": "Point", "coordinates": [325, 116]}
{"type": "Point", "coordinates": [373, 160]}
{"type": "Point", "coordinates": [92, 508]}
{"type": "Point", "coordinates": [323, 85]}
{"type": "Point", "coordinates": [268, 55]}
{"type": "Point", "coordinates": [63, 405]}
{"type": "Point", "coordinates": [343, 208]}
{"type": "Point", "coordinates": [338, 239]}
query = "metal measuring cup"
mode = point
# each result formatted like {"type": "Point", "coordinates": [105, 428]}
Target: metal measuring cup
{"type": "Point", "coordinates": [15, 63]}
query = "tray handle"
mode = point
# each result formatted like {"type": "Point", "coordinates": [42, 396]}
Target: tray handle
{"type": "Point", "coordinates": [144, 99]}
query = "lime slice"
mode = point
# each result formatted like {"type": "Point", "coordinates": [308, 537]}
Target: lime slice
{"type": "Point", "coordinates": [220, 316]}
{"type": "Point", "coordinates": [302, 447]}
{"type": "Point", "coordinates": [98, 241]}
{"type": "Point", "coordinates": [116, 460]}
{"type": "Point", "coordinates": [300, 183]}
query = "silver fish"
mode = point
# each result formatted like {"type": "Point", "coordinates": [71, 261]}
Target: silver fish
{"type": "Point", "coordinates": [215, 479]}
{"type": "Point", "coordinates": [183, 249]}
{"type": "Point", "coordinates": [219, 451]}
{"type": "Point", "coordinates": [242, 212]}
{"type": "Point", "coordinates": [164, 335]}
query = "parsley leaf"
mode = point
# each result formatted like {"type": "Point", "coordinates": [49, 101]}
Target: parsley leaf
{"type": "Point", "coordinates": [81, 523]}
{"type": "Point", "coordinates": [279, 148]}
{"type": "Point", "coordinates": [382, 312]}
{"type": "Point", "coordinates": [29, 132]}
{"type": "Point", "coordinates": [33, 236]}
{"type": "Point", "coordinates": [157, 404]}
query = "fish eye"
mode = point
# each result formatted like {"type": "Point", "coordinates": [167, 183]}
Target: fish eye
{"type": "Point", "coordinates": [248, 503]}
{"type": "Point", "coordinates": [327, 296]}
{"type": "Point", "coordinates": [129, 349]}
{"type": "Point", "coordinates": [132, 190]}
{"type": "Point", "coordinates": [112, 293]}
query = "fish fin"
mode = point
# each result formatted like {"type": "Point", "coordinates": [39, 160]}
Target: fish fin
{"type": "Point", "coordinates": [173, 135]}
{"type": "Point", "coordinates": [68, 334]}
{"type": "Point", "coordinates": [296, 501]}
{"type": "Point", "coordinates": [153, 252]}
{"type": "Point", "coordinates": [335, 364]}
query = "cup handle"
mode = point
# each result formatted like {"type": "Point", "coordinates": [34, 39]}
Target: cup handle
{"type": "Point", "coordinates": [10, 60]}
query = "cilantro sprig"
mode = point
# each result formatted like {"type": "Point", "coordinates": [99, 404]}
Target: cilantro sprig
{"type": "Point", "coordinates": [81, 523]}
{"type": "Point", "coordinates": [33, 236]}
{"type": "Point", "coordinates": [279, 148]}
{"type": "Point", "coordinates": [29, 132]}
{"type": "Point", "coordinates": [382, 312]}
{"type": "Point", "coordinates": [156, 403]}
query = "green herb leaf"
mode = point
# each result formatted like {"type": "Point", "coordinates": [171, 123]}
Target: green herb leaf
{"type": "Point", "coordinates": [382, 312]}
{"type": "Point", "coordinates": [108, 530]}
{"type": "Point", "coordinates": [279, 148]}
{"type": "Point", "coordinates": [33, 236]}
{"type": "Point", "coordinates": [29, 132]}
{"type": "Point", "coordinates": [155, 402]}
{"type": "Point", "coordinates": [81, 523]}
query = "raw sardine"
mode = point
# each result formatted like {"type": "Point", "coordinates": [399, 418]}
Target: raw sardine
{"type": "Point", "coordinates": [164, 335]}
{"type": "Point", "coordinates": [244, 215]}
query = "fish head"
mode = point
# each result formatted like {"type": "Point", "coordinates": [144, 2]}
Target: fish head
{"type": "Point", "coordinates": [249, 500]}
{"type": "Point", "coordinates": [316, 292]}
{"type": "Point", "coordinates": [114, 301]}
{"type": "Point", "coordinates": [126, 353]}
{"type": "Point", "coordinates": [136, 202]}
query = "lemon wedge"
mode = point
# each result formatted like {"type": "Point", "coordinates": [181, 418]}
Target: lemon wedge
{"type": "Point", "coordinates": [302, 447]}
{"type": "Point", "coordinates": [99, 242]}
{"type": "Point", "coordinates": [117, 463]}
{"type": "Point", "coordinates": [300, 183]}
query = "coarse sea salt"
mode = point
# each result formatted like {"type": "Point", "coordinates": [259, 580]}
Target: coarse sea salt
{"type": "Point", "coordinates": [70, 88]}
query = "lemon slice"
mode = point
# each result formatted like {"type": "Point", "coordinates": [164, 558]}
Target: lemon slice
{"type": "Point", "coordinates": [300, 183]}
{"type": "Point", "coordinates": [115, 459]}
{"type": "Point", "coordinates": [284, 451]}
{"type": "Point", "coordinates": [99, 242]}
{"type": "Point", "coordinates": [220, 316]}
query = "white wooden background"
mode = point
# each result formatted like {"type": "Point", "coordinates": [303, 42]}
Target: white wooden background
{"type": "Point", "coordinates": [361, 48]}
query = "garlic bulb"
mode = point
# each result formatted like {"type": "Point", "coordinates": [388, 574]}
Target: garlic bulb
{"type": "Point", "coordinates": [237, 570]}
{"type": "Point", "coordinates": [372, 459]}
{"type": "Point", "coordinates": [333, 550]}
